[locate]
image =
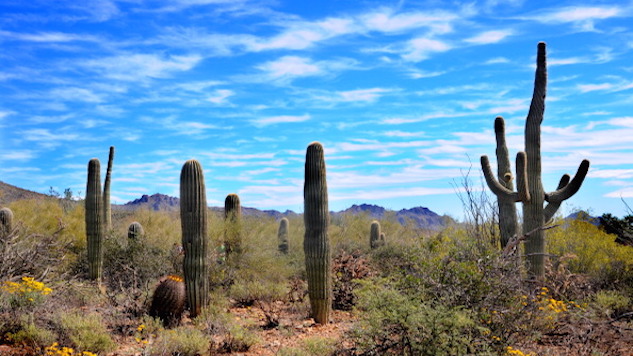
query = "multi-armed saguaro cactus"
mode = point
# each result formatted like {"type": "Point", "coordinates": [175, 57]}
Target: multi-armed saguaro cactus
{"type": "Point", "coordinates": [193, 216]}
{"type": "Point", "coordinates": [168, 301]}
{"type": "Point", "coordinates": [529, 184]}
{"type": "Point", "coordinates": [374, 235]}
{"type": "Point", "coordinates": [6, 222]}
{"type": "Point", "coordinates": [135, 231]}
{"type": "Point", "coordinates": [232, 224]}
{"type": "Point", "coordinates": [107, 210]}
{"type": "Point", "coordinates": [94, 220]}
{"type": "Point", "coordinates": [282, 235]}
{"type": "Point", "coordinates": [316, 244]}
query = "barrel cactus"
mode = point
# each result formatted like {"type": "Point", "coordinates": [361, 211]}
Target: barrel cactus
{"type": "Point", "coordinates": [316, 244]}
{"type": "Point", "coordinates": [168, 301]}
{"type": "Point", "coordinates": [530, 190]}
{"type": "Point", "coordinates": [94, 220]}
{"type": "Point", "coordinates": [135, 231]}
{"type": "Point", "coordinates": [193, 216]}
{"type": "Point", "coordinates": [374, 235]}
{"type": "Point", "coordinates": [6, 222]}
{"type": "Point", "coordinates": [282, 236]}
{"type": "Point", "coordinates": [232, 224]}
{"type": "Point", "coordinates": [107, 210]}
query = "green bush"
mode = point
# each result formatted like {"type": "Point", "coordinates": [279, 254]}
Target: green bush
{"type": "Point", "coordinates": [394, 323]}
{"type": "Point", "coordinates": [586, 249]}
{"type": "Point", "coordinates": [311, 346]}
{"type": "Point", "coordinates": [87, 332]}
{"type": "Point", "coordinates": [182, 341]}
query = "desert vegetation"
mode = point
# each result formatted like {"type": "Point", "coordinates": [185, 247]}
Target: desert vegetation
{"type": "Point", "coordinates": [448, 292]}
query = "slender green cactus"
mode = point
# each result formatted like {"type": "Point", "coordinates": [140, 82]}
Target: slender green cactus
{"type": "Point", "coordinates": [529, 183]}
{"type": "Point", "coordinates": [374, 235]}
{"type": "Point", "coordinates": [168, 301]}
{"type": "Point", "coordinates": [94, 220]}
{"type": "Point", "coordinates": [382, 239]}
{"type": "Point", "coordinates": [508, 222]}
{"type": "Point", "coordinates": [6, 222]}
{"type": "Point", "coordinates": [316, 243]}
{"type": "Point", "coordinates": [232, 224]}
{"type": "Point", "coordinates": [135, 231]}
{"type": "Point", "coordinates": [107, 210]}
{"type": "Point", "coordinates": [193, 216]}
{"type": "Point", "coordinates": [282, 236]}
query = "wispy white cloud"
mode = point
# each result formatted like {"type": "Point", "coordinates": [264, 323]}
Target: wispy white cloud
{"type": "Point", "coordinates": [387, 20]}
{"type": "Point", "coordinates": [273, 120]}
{"type": "Point", "coordinates": [75, 94]}
{"type": "Point", "coordinates": [489, 37]}
{"type": "Point", "coordinates": [136, 66]}
{"type": "Point", "coordinates": [421, 48]}
{"type": "Point", "coordinates": [49, 37]}
{"type": "Point", "coordinates": [288, 68]}
{"type": "Point", "coordinates": [582, 17]}
{"type": "Point", "coordinates": [369, 95]}
{"type": "Point", "coordinates": [17, 155]}
{"type": "Point", "coordinates": [219, 96]}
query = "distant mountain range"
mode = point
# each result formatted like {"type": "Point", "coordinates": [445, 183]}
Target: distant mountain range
{"type": "Point", "coordinates": [418, 216]}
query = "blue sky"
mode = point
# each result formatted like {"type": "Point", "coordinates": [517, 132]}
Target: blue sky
{"type": "Point", "coordinates": [402, 95]}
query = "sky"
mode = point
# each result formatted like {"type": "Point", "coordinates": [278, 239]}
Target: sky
{"type": "Point", "coordinates": [402, 95]}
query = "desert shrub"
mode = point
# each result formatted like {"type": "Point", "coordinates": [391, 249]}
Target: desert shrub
{"type": "Point", "coordinates": [347, 269]}
{"type": "Point", "coordinates": [590, 251]}
{"type": "Point", "coordinates": [87, 332]}
{"type": "Point", "coordinates": [184, 341]}
{"type": "Point", "coordinates": [311, 346]}
{"type": "Point", "coordinates": [31, 334]}
{"type": "Point", "coordinates": [610, 302]}
{"type": "Point", "coordinates": [392, 322]}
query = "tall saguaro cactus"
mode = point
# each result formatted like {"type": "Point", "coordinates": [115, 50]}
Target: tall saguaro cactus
{"type": "Point", "coordinates": [282, 236]}
{"type": "Point", "coordinates": [316, 243]}
{"type": "Point", "coordinates": [530, 190]}
{"type": "Point", "coordinates": [94, 220]}
{"type": "Point", "coordinates": [193, 216]}
{"type": "Point", "coordinates": [107, 210]}
{"type": "Point", "coordinates": [232, 224]}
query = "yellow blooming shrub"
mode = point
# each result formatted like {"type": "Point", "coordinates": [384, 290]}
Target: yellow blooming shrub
{"type": "Point", "coordinates": [56, 350]}
{"type": "Point", "coordinates": [27, 292]}
{"type": "Point", "coordinates": [589, 250]}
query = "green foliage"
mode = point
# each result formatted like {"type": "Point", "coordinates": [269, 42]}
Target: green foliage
{"type": "Point", "coordinates": [31, 334]}
{"type": "Point", "coordinates": [182, 341]}
{"type": "Point", "coordinates": [584, 248]}
{"type": "Point", "coordinates": [622, 228]}
{"type": "Point", "coordinates": [611, 302]}
{"type": "Point", "coordinates": [393, 322]}
{"type": "Point", "coordinates": [311, 346]}
{"type": "Point", "coordinates": [86, 331]}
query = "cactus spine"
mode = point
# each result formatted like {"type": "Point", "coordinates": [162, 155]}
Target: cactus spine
{"type": "Point", "coordinates": [94, 220]}
{"type": "Point", "coordinates": [135, 231]}
{"type": "Point", "coordinates": [193, 216]}
{"type": "Point", "coordinates": [374, 235]}
{"type": "Point", "coordinates": [6, 222]}
{"type": "Point", "coordinates": [530, 190]}
{"type": "Point", "coordinates": [168, 301]}
{"type": "Point", "coordinates": [508, 222]}
{"type": "Point", "coordinates": [316, 244]}
{"type": "Point", "coordinates": [232, 224]}
{"type": "Point", "coordinates": [107, 210]}
{"type": "Point", "coordinates": [282, 236]}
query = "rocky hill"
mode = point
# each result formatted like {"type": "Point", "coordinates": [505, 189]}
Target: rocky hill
{"type": "Point", "coordinates": [9, 193]}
